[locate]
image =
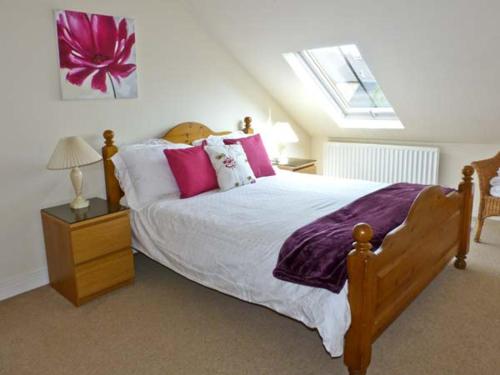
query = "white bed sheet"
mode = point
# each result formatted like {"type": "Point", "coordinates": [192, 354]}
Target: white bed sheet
{"type": "Point", "coordinates": [230, 241]}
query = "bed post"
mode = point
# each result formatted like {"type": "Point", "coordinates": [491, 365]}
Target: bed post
{"type": "Point", "coordinates": [466, 187]}
{"type": "Point", "coordinates": [358, 342]}
{"type": "Point", "coordinates": [248, 125]}
{"type": "Point", "coordinates": [113, 190]}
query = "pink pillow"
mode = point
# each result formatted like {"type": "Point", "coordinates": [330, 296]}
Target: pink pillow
{"type": "Point", "coordinates": [256, 155]}
{"type": "Point", "coordinates": [192, 170]}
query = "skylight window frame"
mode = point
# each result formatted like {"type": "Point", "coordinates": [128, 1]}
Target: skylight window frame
{"type": "Point", "coordinates": [330, 88]}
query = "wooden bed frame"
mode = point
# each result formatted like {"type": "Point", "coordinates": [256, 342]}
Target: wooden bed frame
{"type": "Point", "coordinates": [382, 283]}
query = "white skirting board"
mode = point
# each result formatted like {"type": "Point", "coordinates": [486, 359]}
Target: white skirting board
{"type": "Point", "coordinates": [25, 282]}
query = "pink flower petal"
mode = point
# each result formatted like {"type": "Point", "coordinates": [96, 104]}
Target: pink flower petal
{"type": "Point", "coordinates": [64, 55]}
{"type": "Point", "coordinates": [122, 29]}
{"type": "Point", "coordinates": [64, 36]}
{"type": "Point", "coordinates": [99, 81]}
{"type": "Point", "coordinates": [121, 70]}
{"type": "Point", "coordinates": [125, 53]}
{"type": "Point", "coordinates": [77, 76]}
{"type": "Point", "coordinates": [122, 36]}
{"type": "Point", "coordinates": [79, 61]}
{"type": "Point", "coordinates": [105, 34]}
{"type": "Point", "coordinates": [80, 30]}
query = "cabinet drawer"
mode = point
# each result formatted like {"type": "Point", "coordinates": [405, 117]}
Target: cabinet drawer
{"type": "Point", "coordinates": [100, 239]}
{"type": "Point", "coordinates": [103, 273]}
{"type": "Point", "coordinates": [310, 169]}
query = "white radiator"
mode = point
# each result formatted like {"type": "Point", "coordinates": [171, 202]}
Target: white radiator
{"type": "Point", "coordinates": [382, 163]}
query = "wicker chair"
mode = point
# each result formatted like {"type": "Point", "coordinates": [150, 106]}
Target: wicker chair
{"type": "Point", "coordinates": [488, 206]}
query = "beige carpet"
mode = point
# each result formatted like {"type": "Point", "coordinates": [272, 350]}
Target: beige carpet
{"type": "Point", "coordinates": [165, 324]}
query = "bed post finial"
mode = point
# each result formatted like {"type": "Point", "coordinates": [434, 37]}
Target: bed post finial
{"type": "Point", "coordinates": [113, 191]}
{"type": "Point", "coordinates": [108, 137]}
{"type": "Point", "coordinates": [362, 234]}
{"type": "Point", "coordinates": [467, 189]}
{"type": "Point", "coordinates": [248, 125]}
{"type": "Point", "coordinates": [467, 173]}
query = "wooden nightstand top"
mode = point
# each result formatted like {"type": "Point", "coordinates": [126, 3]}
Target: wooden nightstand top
{"type": "Point", "coordinates": [297, 163]}
{"type": "Point", "coordinates": [98, 207]}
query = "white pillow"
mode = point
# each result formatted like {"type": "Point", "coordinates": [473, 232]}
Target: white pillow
{"type": "Point", "coordinates": [144, 174]}
{"type": "Point", "coordinates": [231, 165]}
{"type": "Point", "coordinates": [213, 140]}
{"type": "Point", "coordinates": [150, 142]}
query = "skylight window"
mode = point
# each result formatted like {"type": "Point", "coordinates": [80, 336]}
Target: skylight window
{"type": "Point", "coordinates": [342, 77]}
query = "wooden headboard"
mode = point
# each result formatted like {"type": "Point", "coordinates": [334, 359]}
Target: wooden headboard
{"type": "Point", "coordinates": [187, 132]}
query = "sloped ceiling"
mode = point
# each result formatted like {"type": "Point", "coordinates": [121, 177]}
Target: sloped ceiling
{"type": "Point", "coordinates": [437, 61]}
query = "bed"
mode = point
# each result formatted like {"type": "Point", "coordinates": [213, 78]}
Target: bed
{"type": "Point", "coordinates": [233, 246]}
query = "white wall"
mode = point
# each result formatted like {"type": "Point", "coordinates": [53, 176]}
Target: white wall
{"type": "Point", "coordinates": [183, 75]}
{"type": "Point", "coordinates": [434, 60]}
{"type": "Point", "coordinates": [452, 157]}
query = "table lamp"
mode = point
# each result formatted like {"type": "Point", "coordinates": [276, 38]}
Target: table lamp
{"type": "Point", "coordinates": [284, 134]}
{"type": "Point", "coordinates": [72, 153]}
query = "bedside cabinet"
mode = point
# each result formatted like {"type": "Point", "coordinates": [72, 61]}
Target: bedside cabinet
{"type": "Point", "coordinates": [88, 250]}
{"type": "Point", "coordinates": [299, 165]}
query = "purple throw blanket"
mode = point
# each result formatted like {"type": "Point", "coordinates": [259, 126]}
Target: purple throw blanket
{"type": "Point", "coordinates": [316, 254]}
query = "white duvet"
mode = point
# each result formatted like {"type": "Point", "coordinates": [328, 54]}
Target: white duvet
{"type": "Point", "coordinates": [230, 241]}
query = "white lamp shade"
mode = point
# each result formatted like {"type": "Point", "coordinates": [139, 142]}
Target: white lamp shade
{"type": "Point", "coordinates": [283, 133]}
{"type": "Point", "coordinates": [72, 152]}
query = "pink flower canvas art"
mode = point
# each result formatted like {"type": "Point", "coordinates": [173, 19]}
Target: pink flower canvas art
{"type": "Point", "coordinates": [96, 56]}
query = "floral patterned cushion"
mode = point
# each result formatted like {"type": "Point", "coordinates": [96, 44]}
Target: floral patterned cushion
{"type": "Point", "coordinates": [231, 165]}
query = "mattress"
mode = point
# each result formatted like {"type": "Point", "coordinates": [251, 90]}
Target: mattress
{"type": "Point", "coordinates": [230, 241]}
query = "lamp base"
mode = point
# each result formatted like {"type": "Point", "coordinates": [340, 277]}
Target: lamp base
{"type": "Point", "coordinates": [79, 202]}
{"type": "Point", "coordinates": [77, 181]}
{"type": "Point", "coordinates": [282, 154]}
{"type": "Point", "coordinates": [283, 160]}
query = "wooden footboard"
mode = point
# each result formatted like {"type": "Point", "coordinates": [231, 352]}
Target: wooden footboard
{"type": "Point", "coordinates": [383, 283]}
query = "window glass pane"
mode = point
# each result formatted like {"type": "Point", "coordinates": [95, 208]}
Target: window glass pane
{"type": "Point", "coordinates": [350, 76]}
{"type": "Point", "coordinates": [364, 74]}
{"type": "Point", "coordinates": [333, 64]}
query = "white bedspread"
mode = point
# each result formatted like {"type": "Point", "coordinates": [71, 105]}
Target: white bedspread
{"type": "Point", "coordinates": [230, 241]}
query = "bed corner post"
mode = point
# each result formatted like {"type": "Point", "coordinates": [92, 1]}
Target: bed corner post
{"type": "Point", "coordinates": [248, 125]}
{"type": "Point", "coordinates": [362, 289]}
{"type": "Point", "coordinates": [113, 190]}
{"type": "Point", "coordinates": [466, 187]}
